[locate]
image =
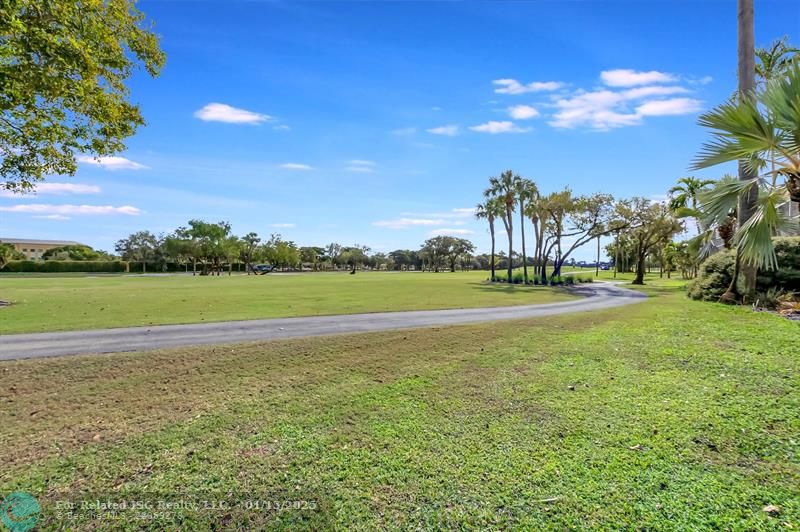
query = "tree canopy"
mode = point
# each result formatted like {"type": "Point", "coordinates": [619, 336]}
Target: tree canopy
{"type": "Point", "coordinates": [63, 68]}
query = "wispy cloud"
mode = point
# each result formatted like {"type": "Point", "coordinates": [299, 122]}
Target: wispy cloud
{"type": "Point", "coordinates": [405, 223]}
{"type": "Point", "coordinates": [449, 130]}
{"type": "Point", "coordinates": [283, 225]}
{"type": "Point", "coordinates": [56, 189]}
{"type": "Point", "coordinates": [461, 212]}
{"type": "Point", "coordinates": [360, 169]}
{"type": "Point", "coordinates": [606, 109]}
{"type": "Point", "coordinates": [281, 127]}
{"type": "Point", "coordinates": [53, 217]}
{"type": "Point", "coordinates": [220, 112]}
{"type": "Point", "coordinates": [495, 126]}
{"type": "Point", "coordinates": [624, 77]}
{"type": "Point", "coordinates": [111, 162]}
{"type": "Point", "coordinates": [450, 232]}
{"type": "Point", "coordinates": [673, 106]}
{"type": "Point", "coordinates": [522, 112]}
{"type": "Point", "coordinates": [295, 166]}
{"type": "Point", "coordinates": [512, 86]}
{"type": "Point", "coordinates": [71, 210]}
{"type": "Point", "coordinates": [361, 162]}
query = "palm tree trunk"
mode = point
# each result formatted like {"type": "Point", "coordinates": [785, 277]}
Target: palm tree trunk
{"type": "Point", "coordinates": [491, 231]}
{"type": "Point", "coordinates": [522, 229]}
{"type": "Point", "coordinates": [510, 230]}
{"type": "Point", "coordinates": [747, 85]}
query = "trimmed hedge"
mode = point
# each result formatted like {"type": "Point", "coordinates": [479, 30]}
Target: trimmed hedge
{"type": "Point", "coordinates": [714, 274]}
{"type": "Point", "coordinates": [61, 266]}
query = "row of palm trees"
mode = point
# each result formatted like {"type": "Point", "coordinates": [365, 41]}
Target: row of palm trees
{"type": "Point", "coordinates": [506, 194]}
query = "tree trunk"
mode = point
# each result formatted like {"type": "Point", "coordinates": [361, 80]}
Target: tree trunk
{"type": "Point", "coordinates": [522, 232]}
{"type": "Point", "coordinates": [640, 269]}
{"type": "Point", "coordinates": [747, 85]}
{"type": "Point", "coordinates": [731, 295]}
{"type": "Point", "coordinates": [510, 228]}
{"type": "Point", "coordinates": [597, 264]}
{"type": "Point", "coordinates": [491, 230]}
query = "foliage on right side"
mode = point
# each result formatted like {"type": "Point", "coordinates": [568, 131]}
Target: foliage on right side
{"type": "Point", "coordinates": [715, 273]}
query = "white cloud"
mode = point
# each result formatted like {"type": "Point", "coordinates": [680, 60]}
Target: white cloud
{"type": "Point", "coordinates": [624, 77]}
{"type": "Point", "coordinates": [404, 131]}
{"type": "Point", "coordinates": [463, 212]}
{"type": "Point", "coordinates": [522, 112]}
{"type": "Point", "coordinates": [656, 90]}
{"type": "Point", "coordinates": [597, 110]}
{"type": "Point", "coordinates": [604, 109]}
{"type": "Point", "coordinates": [283, 225]}
{"type": "Point", "coordinates": [673, 106]}
{"type": "Point", "coordinates": [494, 127]}
{"type": "Point", "coordinates": [53, 217]}
{"type": "Point", "coordinates": [281, 127]}
{"type": "Point", "coordinates": [54, 189]}
{"type": "Point", "coordinates": [66, 210]}
{"type": "Point", "coordinates": [451, 232]}
{"type": "Point", "coordinates": [360, 169]}
{"type": "Point", "coordinates": [361, 162]}
{"type": "Point", "coordinates": [404, 223]}
{"type": "Point", "coordinates": [436, 108]}
{"type": "Point", "coordinates": [111, 162]}
{"type": "Point", "coordinates": [220, 112]}
{"type": "Point", "coordinates": [295, 166]}
{"type": "Point", "coordinates": [449, 131]}
{"type": "Point", "coordinates": [512, 86]}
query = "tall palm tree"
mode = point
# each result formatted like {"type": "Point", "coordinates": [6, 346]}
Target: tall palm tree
{"type": "Point", "coordinates": [752, 130]}
{"type": "Point", "coordinates": [504, 188]}
{"type": "Point", "coordinates": [489, 210]}
{"type": "Point", "coordinates": [746, 62]}
{"type": "Point", "coordinates": [527, 191]}
{"type": "Point", "coordinates": [683, 197]}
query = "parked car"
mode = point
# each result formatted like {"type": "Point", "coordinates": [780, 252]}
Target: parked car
{"type": "Point", "coordinates": [261, 269]}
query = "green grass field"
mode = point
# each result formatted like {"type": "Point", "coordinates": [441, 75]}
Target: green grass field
{"type": "Point", "coordinates": [669, 414]}
{"type": "Point", "coordinates": [68, 303]}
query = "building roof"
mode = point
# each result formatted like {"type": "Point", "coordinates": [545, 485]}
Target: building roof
{"type": "Point", "coordinates": [42, 242]}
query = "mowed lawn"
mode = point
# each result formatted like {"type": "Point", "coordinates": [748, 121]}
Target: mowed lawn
{"type": "Point", "coordinates": [68, 303]}
{"type": "Point", "coordinates": [668, 414]}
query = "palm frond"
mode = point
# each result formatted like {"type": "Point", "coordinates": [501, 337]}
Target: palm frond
{"type": "Point", "coordinates": [740, 132]}
{"type": "Point", "coordinates": [754, 237]}
{"type": "Point", "coordinates": [718, 202]}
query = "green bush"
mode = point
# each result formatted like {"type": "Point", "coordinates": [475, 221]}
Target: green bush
{"type": "Point", "coordinates": [569, 280]}
{"type": "Point", "coordinates": [518, 278]}
{"type": "Point", "coordinates": [715, 273]}
{"type": "Point", "coordinates": [62, 266]}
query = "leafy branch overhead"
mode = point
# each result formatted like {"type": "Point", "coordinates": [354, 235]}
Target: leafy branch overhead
{"type": "Point", "coordinates": [63, 68]}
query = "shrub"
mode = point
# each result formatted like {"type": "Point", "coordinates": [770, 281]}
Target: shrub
{"type": "Point", "coordinates": [61, 266]}
{"type": "Point", "coordinates": [556, 280]}
{"type": "Point", "coordinates": [535, 281]}
{"type": "Point", "coordinates": [518, 278]}
{"type": "Point", "coordinates": [569, 280]}
{"type": "Point", "coordinates": [715, 273]}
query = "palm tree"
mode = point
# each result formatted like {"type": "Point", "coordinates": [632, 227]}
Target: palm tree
{"type": "Point", "coordinates": [683, 197]}
{"type": "Point", "coordinates": [489, 210]}
{"type": "Point", "coordinates": [504, 188]}
{"type": "Point", "coordinates": [774, 61]}
{"type": "Point", "coordinates": [527, 191]}
{"type": "Point", "coordinates": [752, 130]}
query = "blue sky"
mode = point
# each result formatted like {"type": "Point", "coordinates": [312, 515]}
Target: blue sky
{"type": "Point", "coordinates": [379, 122]}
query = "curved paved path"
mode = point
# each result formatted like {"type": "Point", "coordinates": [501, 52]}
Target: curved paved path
{"type": "Point", "coordinates": [599, 295]}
